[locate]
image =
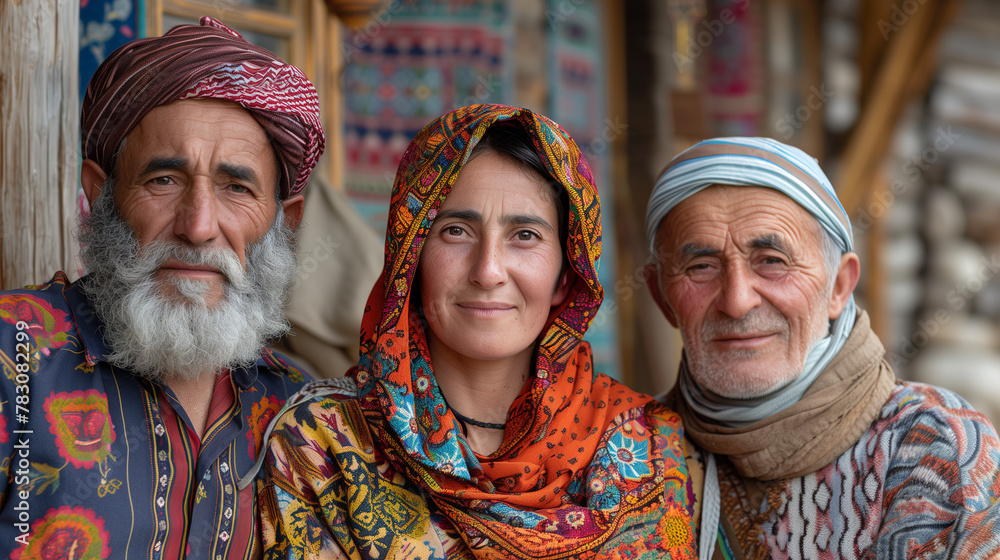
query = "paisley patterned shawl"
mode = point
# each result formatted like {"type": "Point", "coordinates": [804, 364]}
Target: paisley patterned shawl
{"type": "Point", "coordinates": [558, 424]}
{"type": "Point", "coordinates": [388, 378]}
{"type": "Point", "coordinates": [588, 468]}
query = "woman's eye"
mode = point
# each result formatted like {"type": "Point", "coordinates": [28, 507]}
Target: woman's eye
{"type": "Point", "coordinates": [525, 235]}
{"type": "Point", "coordinates": [453, 230]}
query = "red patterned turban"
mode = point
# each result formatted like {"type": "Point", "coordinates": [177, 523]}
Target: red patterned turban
{"type": "Point", "coordinates": [207, 60]}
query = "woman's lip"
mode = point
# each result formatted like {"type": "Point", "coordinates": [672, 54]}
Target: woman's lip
{"type": "Point", "coordinates": [486, 306]}
{"type": "Point", "coordinates": [485, 310]}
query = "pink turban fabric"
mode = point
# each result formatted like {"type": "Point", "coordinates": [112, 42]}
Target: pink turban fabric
{"type": "Point", "coordinates": [208, 60]}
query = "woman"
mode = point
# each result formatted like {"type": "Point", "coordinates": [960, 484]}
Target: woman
{"type": "Point", "coordinates": [477, 427]}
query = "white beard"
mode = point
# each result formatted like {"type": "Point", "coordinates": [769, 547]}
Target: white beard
{"type": "Point", "coordinates": [160, 338]}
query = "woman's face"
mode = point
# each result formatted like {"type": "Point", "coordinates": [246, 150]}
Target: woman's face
{"type": "Point", "coordinates": [490, 270]}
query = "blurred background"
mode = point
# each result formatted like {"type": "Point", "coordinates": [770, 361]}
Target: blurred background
{"type": "Point", "coordinates": [899, 100]}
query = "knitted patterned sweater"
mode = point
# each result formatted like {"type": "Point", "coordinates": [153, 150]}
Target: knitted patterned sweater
{"type": "Point", "coordinates": [923, 482]}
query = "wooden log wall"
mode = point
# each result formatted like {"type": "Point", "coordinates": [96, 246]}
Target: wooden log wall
{"type": "Point", "coordinates": [39, 139]}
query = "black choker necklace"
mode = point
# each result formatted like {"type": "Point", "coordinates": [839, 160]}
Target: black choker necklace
{"type": "Point", "coordinates": [466, 420]}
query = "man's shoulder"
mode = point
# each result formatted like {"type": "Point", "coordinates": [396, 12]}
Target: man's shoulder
{"type": "Point", "coordinates": [51, 292]}
{"type": "Point", "coordinates": [910, 397]}
{"type": "Point", "coordinates": [43, 311]}
{"type": "Point", "coordinates": [942, 462]}
{"type": "Point", "coordinates": [280, 365]}
{"type": "Point", "coordinates": [936, 416]}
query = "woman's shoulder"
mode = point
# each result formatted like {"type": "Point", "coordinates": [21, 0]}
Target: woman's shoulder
{"type": "Point", "coordinates": [325, 414]}
{"type": "Point", "coordinates": [310, 416]}
{"type": "Point", "coordinates": [330, 395]}
{"type": "Point", "coordinates": [648, 405]}
{"type": "Point", "coordinates": [339, 388]}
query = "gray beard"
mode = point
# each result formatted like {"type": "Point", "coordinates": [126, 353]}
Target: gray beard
{"type": "Point", "coordinates": [160, 338]}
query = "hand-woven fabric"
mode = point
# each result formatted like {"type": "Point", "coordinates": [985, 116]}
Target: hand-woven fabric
{"type": "Point", "coordinates": [208, 60]}
{"type": "Point", "coordinates": [587, 469]}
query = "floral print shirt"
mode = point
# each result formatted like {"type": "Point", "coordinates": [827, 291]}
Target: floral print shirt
{"type": "Point", "coordinates": [100, 463]}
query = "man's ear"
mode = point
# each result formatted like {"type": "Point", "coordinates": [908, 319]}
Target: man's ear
{"type": "Point", "coordinates": [843, 286]}
{"type": "Point", "coordinates": [653, 282]}
{"type": "Point", "coordinates": [293, 206]}
{"type": "Point", "coordinates": [92, 178]}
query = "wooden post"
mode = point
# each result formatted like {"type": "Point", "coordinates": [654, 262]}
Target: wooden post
{"type": "Point", "coordinates": [909, 57]}
{"type": "Point", "coordinates": [876, 283]}
{"type": "Point", "coordinates": [39, 139]}
{"type": "Point", "coordinates": [614, 17]}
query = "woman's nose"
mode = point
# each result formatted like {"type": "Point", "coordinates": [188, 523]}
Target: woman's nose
{"type": "Point", "coordinates": [488, 269]}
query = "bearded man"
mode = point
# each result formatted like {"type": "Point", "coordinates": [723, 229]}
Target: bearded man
{"type": "Point", "coordinates": [135, 398]}
{"type": "Point", "coordinates": [801, 442]}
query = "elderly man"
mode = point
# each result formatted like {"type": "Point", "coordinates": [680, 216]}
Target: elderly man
{"type": "Point", "coordinates": [135, 398]}
{"type": "Point", "coordinates": [807, 445]}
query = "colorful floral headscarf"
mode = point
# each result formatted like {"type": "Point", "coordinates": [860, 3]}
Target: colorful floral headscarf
{"type": "Point", "coordinates": [556, 436]}
{"type": "Point", "coordinates": [588, 468]}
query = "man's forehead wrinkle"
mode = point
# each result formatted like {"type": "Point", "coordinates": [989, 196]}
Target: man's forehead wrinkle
{"type": "Point", "coordinates": [743, 219]}
{"type": "Point", "coordinates": [200, 152]}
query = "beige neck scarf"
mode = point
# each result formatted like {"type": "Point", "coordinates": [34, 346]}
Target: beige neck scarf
{"type": "Point", "coordinates": [831, 416]}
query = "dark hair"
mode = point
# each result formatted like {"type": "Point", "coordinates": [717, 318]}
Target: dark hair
{"type": "Point", "coordinates": [512, 142]}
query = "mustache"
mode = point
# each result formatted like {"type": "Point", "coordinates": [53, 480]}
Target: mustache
{"type": "Point", "coordinates": [759, 321]}
{"type": "Point", "coordinates": [153, 256]}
